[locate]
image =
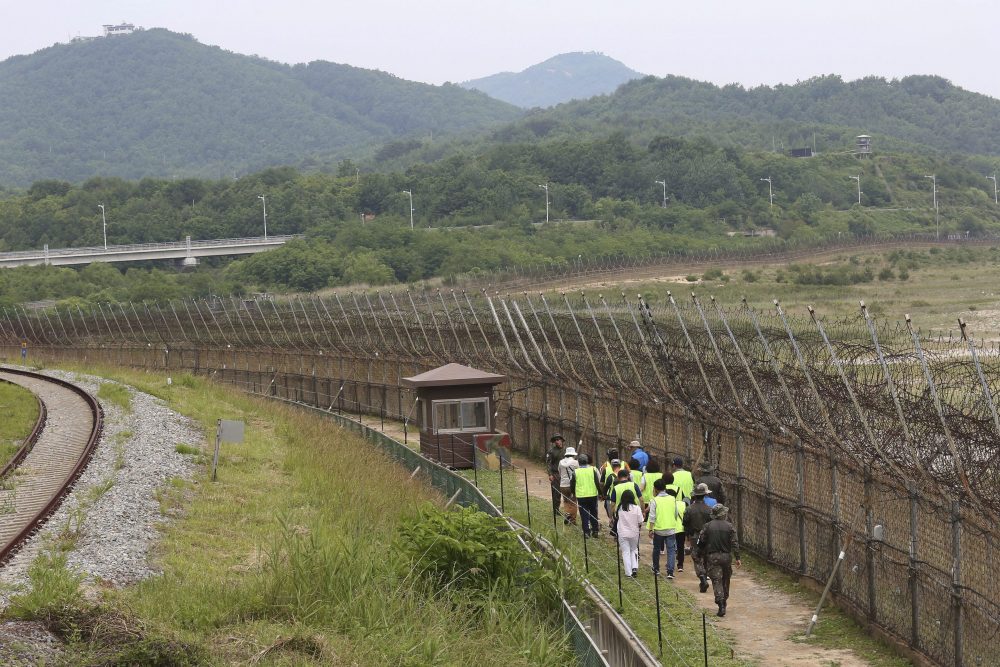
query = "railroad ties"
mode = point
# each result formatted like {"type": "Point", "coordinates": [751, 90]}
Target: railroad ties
{"type": "Point", "coordinates": [69, 433]}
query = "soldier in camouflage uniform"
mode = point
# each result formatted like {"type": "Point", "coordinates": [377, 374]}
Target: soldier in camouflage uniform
{"type": "Point", "coordinates": [718, 545]}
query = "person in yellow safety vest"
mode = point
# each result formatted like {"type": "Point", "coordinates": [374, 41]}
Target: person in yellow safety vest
{"type": "Point", "coordinates": [621, 485]}
{"type": "Point", "coordinates": [666, 516]}
{"type": "Point", "coordinates": [685, 488]}
{"type": "Point", "coordinates": [586, 484]}
{"type": "Point", "coordinates": [652, 474]}
{"type": "Point", "coordinates": [683, 480]}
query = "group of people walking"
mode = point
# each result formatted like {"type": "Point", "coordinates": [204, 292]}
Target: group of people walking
{"type": "Point", "coordinates": [681, 514]}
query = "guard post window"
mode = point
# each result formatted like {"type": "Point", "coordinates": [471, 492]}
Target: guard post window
{"type": "Point", "coordinates": [460, 415]}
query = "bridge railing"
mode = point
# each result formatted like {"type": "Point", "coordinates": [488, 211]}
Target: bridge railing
{"type": "Point", "coordinates": [140, 247]}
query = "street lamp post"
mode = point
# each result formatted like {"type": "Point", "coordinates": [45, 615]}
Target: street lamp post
{"type": "Point", "coordinates": [858, 179]}
{"type": "Point", "coordinates": [263, 200]}
{"type": "Point", "coordinates": [546, 188]}
{"type": "Point", "coordinates": [664, 184]}
{"type": "Point", "coordinates": [104, 224]}
{"type": "Point", "coordinates": [994, 179]}
{"type": "Point", "coordinates": [770, 192]}
{"type": "Point", "coordinates": [937, 217]}
{"type": "Point", "coordinates": [410, 193]}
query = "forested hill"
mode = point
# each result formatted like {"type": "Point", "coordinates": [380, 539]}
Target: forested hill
{"type": "Point", "coordinates": [914, 111]}
{"type": "Point", "coordinates": [568, 76]}
{"type": "Point", "coordinates": [158, 103]}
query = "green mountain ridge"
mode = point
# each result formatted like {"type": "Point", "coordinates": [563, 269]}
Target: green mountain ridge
{"type": "Point", "coordinates": [914, 112]}
{"type": "Point", "coordinates": [565, 77]}
{"type": "Point", "coordinates": [158, 103]}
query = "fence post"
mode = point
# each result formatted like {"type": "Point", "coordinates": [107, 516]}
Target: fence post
{"type": "Point", "coordinates": [527, 498]}
{"type": "Point", "coordinates": [913, 581]}
{"type": "Point", "coordinates": [618, 552]}
{"type": "Point", "coordinates": [586, 556]}
{"type": "Point", "coordinates": [800, 470]}
{"type": "Point", "coordinates": [768, 498]}
{"type": "Point", "coordinates": [956, 579]}
{"type": "Point", "coordinates": [659, 625]}
{"type": "Point", "coordinates": [869, 551]}
{"type": "Point", "coordinates": [502, 509]}
{"type": "Point", "coordinates": [835, 524]}
{"type": "Point", "coordinates": [740, 481]}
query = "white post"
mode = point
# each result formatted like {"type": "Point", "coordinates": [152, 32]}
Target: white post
{"type": "Point", "coordinates": [994, 179]}
{"type": "Point", "coordinates": [104, 223]}
{"type": "Point", "coordinates": [770, 192]}
{"type": "Point", "coordinates": [858, 179]}
{"type": "Point", "coordinates": [263, 200]}
{"type": "Point", "coordinates": [664, 184]}
{"type": "Point", "coordinates": [410, 193]}
{"type": "Point", "coordinates": [546, 188]}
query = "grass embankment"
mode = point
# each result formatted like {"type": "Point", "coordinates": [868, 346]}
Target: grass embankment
{"type": "Point", "coordinates": [18, 414]}
{"type": "Point", "coordinates": [293, 557]}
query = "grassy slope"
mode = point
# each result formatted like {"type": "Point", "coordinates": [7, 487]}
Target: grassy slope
{"type": "Point", "coordinates": [941, 287]}
{"type": "Point", "coordinates": [18, 413]}
{"type": "Point", "coordinates": [288, 558]}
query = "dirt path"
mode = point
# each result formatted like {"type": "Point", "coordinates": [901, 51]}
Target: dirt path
{"type": "Point", "coordinates": [761, 619]}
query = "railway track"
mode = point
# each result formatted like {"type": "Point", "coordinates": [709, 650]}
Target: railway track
{"type": "Point", "coordinates": [54, 455]}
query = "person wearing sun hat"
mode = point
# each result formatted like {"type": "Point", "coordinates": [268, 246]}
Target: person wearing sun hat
{"type": "Point", "coordinates": [697, 515]}
{"type": "Point", "coordinates": [718, 545]}
{"type": "Point", "coordinates": [552, 459]}
{"type": "Point", "coordinates": [567, 465]}
{"type": "Point", "coordinates": [636, 452]}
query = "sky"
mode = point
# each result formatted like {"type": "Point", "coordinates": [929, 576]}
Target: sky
{"type": "Point", "coordinates": [722, 41]}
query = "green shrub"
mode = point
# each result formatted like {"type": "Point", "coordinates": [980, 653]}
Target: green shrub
{"type": "Point", "coordinates": [886, 274]}
{"type": "Point", "coordinates": [712, 274]}
{"type": "Point", "coordinates": [468, 549]}
{"type": "Point", "coordinates": [692, 278]}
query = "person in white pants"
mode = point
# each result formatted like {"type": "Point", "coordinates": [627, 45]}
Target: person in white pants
{"type": "Point", "coordinates": [629, 525]}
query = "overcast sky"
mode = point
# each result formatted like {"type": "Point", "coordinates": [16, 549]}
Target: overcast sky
{"type": "Point", "coordinates": [723, 41]}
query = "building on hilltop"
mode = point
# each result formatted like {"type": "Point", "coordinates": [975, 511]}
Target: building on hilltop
{"type": "Point", "coordinates": [110, 30]}
{"type": "Point", "coordinates": [863, 145]}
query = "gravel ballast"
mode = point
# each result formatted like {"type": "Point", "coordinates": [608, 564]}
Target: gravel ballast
{"type": "Point", "coordinates": [115, 530]}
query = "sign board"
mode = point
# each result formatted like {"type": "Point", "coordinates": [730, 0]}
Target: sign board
{"type": "Point", "coordinates": [226, 430]}
{"type": "Point", "coordinates": [230, 430]}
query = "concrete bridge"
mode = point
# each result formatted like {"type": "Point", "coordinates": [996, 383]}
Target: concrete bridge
{"type": "Point", "coordinates": [187, 251]}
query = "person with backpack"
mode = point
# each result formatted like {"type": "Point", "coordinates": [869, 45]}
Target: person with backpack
{"type": "Point", "coordinates": [552, 459]}
{"type": "Point", "coordinates": [567, 465]}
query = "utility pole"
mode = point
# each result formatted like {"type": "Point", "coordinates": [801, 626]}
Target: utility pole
{"type": "Point", "coordinates": [546, 188]}
{"type": "Point", "coordinates": [858, 179]}
{"type": "Point", "coordinates": [104, 222]}
{"type": "Point", "coordinates": [994, 179]}
{"type": "Point", "coordinates": [770, 191]}
{"type": "Point", "coordinates": [937, 217]}
{"type": "Point", "coordinates": [263, 200]}
{"type": "Point", "coordinates": [664, 184]}
{"type": "Point", "coordinates": [410, 193]}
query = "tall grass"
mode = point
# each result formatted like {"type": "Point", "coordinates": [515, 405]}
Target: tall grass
{"type": "Point", "coordinates": [293, 556]}
{"type": "Point", "coordinates": [18, 414]}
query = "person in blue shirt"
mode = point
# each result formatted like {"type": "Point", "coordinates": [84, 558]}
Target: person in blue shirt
{"type": "Point", "coordinates": [638, 454]}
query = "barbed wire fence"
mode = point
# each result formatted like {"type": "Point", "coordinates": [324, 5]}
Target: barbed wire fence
{"type": "Point", "coordinates": [858, 435]}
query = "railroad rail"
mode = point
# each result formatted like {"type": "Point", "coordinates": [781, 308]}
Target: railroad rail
{"type": "Point", "coordinates": [51, 459]}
